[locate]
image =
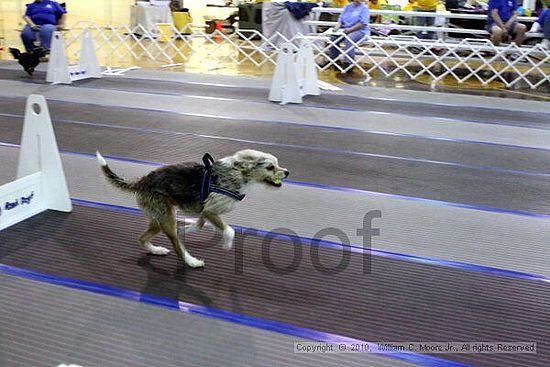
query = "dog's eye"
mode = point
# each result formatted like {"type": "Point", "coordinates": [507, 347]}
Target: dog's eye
{"type": "Point", "coordinates": [270, 167]}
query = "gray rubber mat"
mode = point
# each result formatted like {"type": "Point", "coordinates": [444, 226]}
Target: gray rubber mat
{"type": "Point", "coordinates": [417, 179]}
{"type": "Point", "coordinates": [44, 325]}
{"type": "Point", "coordinates": [328, 101]}
{"type": "Point", "coordinates": [395, 300]}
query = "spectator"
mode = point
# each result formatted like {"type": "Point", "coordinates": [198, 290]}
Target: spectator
{"type": "Point", "coordinates": [543, 23]}
{"type": "Point", "coordinates": [501, 22]}
{"type": "Point", "coordinates": [425, 6]}
{"type": "Point", "coordinates": [354, 23]}
{"type": "Point", "coordinates": [409, 6]}
{"type": "Point", "coordinates": [43, 17]}
{"type": "Point", "coordinates": [375, 5]}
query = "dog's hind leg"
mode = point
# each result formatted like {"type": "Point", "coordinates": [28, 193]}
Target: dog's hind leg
{"type": "Point", "coordinates": [146, 237]}
{"type": "Point", "coordinates": [228, 233]}
{"type": "Point", "coordinates": [195, 227]}
{"type": "Point", "coordinates": [169, 227]}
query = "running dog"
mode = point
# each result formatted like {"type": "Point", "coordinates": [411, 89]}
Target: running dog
{"type": "Point", "coordinates": [207, 190]}
{"type": "Point", "coordinates": [28, 60]}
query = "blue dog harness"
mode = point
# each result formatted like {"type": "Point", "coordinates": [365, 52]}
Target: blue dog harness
{"type": "Point", "coordinates": [206, 185]}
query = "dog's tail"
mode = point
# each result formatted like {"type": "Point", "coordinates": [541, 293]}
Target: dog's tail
{"type": "Point", "coordinates": [112, 177]}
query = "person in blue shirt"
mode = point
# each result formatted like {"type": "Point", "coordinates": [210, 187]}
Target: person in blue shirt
{"type": "Point", "coordinates": [501, 22]}
{"type": "Point", "coordinates": [353, 23]}
{"type": "Point", "coordinates": [543, 23]}
{"type": "Point", "coordinates": [43, 17]}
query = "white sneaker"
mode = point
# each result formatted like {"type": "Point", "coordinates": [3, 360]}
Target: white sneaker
{"type": "Point", "coordinates": [545, 44]}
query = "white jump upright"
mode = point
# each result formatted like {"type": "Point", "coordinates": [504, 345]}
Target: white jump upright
{"type": "Point", "coordinates": [59, 70]}
{"type": "Point", "coordinates": [40, 183]}
{"type": "Point", "coordinates": [295, 74]}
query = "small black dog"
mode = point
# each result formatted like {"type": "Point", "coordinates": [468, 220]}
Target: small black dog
{"type": "Point", "coordinates": [29, 60]}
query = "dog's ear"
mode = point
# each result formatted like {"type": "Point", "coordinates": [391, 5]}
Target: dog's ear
{"type": "Point", "coordinates": [245, 163]}
{"type": "Point", "coordinates": [15, 53]}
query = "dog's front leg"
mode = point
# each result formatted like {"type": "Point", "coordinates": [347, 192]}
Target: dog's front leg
{"type": "Point", "coordinates": [228, 234]}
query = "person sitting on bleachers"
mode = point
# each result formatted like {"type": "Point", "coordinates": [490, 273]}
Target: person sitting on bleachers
{"type": "Point", "coordinates": [375, 5]}
{"type": "Point", "coordinates": [425, 6]}
{"type": "Point", "coordinates": [501, 22]}
{"type": "Point", "coordinates": [543, 23]}
{"type": "Point", "coordinates": [354, 23]}
{"type": "Point", "coordinates": [409, 6]}
{"type": "Point", "coordinates": [43, 17]}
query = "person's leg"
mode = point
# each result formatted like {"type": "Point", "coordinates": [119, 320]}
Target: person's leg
{"type": "Point", "coordinates": [333, 51]}
{"type": "Point", "coordinates": [46, 32]}
{"type": "Point", "coordinates": [518, 30]}
{"type": "Point", "coordinates": [496, 35]}
{"type": "Point", "coordinates": [421, 22]}
{"type": "Point", "coordinates": [546, 26]}
{"type": "Point", "coordinates": [429, 22]}
{"type": "Point", "coordinates": [349, 49]}
{"type": "Point", "coordinates": [28, 37]}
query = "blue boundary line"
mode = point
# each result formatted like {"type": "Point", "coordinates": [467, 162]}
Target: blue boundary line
{"type": "Point", "coordinates": [192, 309]}
{"type": "Point", "coordinates": [305, 147]}
{"type": "Point", "coordinates": [334, 188]}
{"type": "Point", "coordinates": [353, 248]}
{"type": "Point", "coordinates": [314, 126]}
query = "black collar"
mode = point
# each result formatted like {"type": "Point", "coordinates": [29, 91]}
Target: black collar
{"type": "Point", "coordinates": [206, 185]}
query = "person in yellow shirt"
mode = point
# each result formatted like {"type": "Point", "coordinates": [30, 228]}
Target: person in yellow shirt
{"type": "Point", "coordinates": [425, 6]}
{"type": "Point", "coordinates": [409, 6]}
{"type": "Point", "coordinates": [375, 5]}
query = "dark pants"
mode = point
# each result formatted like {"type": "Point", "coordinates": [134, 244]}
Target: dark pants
{"type": "Point", "coordinates": [546, 26]}
{"type": "Point", "coordinates": [425, 22]}
{"type": "Point", "coordinates": [44, 35]}
{"type": "Point", "coordinates": [349, 49]}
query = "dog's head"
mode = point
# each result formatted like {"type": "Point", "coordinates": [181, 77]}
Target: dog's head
{"type": "Point", "coordinates": [256, 166]}
{"type": "Point", "coordinates": [15, 53]}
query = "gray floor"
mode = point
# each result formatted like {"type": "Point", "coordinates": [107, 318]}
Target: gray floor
{"type": "Point", "coordinates": [43, 325]}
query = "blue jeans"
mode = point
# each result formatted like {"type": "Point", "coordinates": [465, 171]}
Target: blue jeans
{"type": "Point", "coordinates": [28, 36]}
{"type": "Point", "coordinates": [546, 26]}
{"type": "Point", "coordinates": [425, 22]}
{"type": "Point", "coordinates": [349, 49]}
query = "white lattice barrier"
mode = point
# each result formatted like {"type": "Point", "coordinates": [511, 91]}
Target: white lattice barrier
{"type": "Point", "coordinates": [465, 61]}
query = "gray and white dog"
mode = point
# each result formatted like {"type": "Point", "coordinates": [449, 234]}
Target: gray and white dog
{"type": "Point", "coordinates": [165, 189]}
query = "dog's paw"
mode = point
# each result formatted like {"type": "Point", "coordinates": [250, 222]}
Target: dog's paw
{"type": "Point", "coordinates": [227, 237]}
{"type": "Point", "coordinates": [156, 250]}
{"type": "Point", "coordinates": [193, 262]}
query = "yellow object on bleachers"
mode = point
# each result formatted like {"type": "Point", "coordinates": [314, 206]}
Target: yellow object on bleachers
{"type": "Point", "coordinates": [182, 21]}
{"type": "Point", "coordinates": [165, 32]}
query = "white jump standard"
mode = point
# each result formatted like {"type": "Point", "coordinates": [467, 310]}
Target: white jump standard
{"type": "Point", "coordinates": [59, 70]}
{"type": "Point", "coordinates": [295, 75]}
{"type": "Point", "coordinates": [40, 183]}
